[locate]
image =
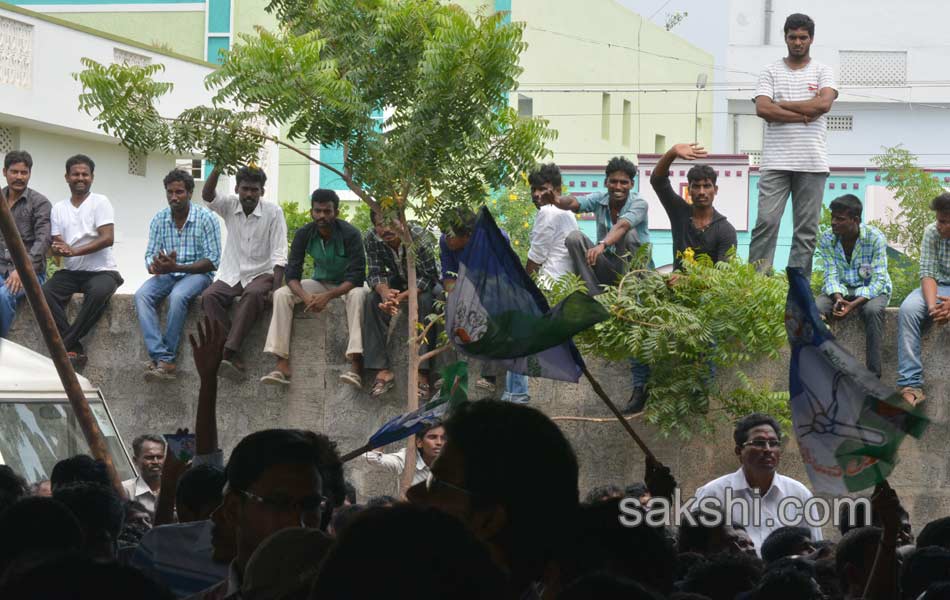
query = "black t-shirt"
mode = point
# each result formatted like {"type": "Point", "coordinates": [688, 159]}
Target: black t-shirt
{"type": "Point", "coordinates": [715, 240]}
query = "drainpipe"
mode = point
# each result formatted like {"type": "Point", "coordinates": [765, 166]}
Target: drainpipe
{"type": "Point", "coordinates": [767, 28]}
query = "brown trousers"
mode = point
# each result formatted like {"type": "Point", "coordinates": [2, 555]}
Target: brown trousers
{"type": "Point", "coordinates": [218, 298]}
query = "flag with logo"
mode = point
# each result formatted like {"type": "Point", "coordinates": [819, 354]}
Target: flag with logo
{"type": "Point", "coordinates": [496, 313]}
{"type": "Point", "coordinates": [848, 424]}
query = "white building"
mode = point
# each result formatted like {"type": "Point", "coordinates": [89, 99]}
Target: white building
{"type": "Point", "coordinates": [39, 113]}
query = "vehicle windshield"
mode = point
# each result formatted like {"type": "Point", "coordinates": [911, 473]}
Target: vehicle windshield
{"type": "Point", "coordinates": [36, 434]}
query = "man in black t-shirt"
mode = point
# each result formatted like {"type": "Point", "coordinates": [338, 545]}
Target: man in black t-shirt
{"type": "Point", "coordinates": [694, 224]}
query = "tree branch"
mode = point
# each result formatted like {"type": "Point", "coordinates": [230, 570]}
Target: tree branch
{"type": "Point", "coordinates": [436, 352]}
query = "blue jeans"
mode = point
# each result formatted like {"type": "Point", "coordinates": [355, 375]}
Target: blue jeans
{"type": "Point", "coordinates": [913, 316]}
{"type": "Point", "coordinates": [639, 372]}
{"type": "Point", "coordinates": [180, 292]}
{"type": "Point", "coordinates": [8, 304]}
{"type": "Point", "coordinates": [516, 388]}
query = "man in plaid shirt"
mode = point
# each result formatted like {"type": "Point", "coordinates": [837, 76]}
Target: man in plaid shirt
{"type": "Point", "coordinates": [854, 258]}
{"type": "Point", "coordinates": [388, 282]}
{"type": "Point", "coordinates": [184, 248]}
{"type": "Point", "coordinates": [929, 302]}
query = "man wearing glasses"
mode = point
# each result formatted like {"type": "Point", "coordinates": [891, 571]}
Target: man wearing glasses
{"type": "Point", "coordinates": [757, 496]}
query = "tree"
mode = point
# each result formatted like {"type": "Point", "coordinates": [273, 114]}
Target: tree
{"type": "Point", "coordinates": [415, 92]}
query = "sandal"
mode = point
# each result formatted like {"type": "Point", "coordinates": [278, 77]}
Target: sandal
{"type": "Point", "coordinates": [424, 391]}
{"type": "Point", "coordinates": [381, 386]}
{"type": "Point", "coordinates": [352, 378]}
{"type": "Point", "coordinates": [276, 378]}
{"type": "Point", "coordinates": [916, 395]}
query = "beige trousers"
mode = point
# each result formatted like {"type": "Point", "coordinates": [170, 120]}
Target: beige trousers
{"type": "Point", "coordinates": [282, 319]}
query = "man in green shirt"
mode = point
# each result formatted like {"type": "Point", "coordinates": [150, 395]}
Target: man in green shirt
{"type": "Point", "coordinates": [339, 269]}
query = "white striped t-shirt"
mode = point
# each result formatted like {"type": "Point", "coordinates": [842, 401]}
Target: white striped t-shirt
{"type": "Point", "coordinates": [795, 146]}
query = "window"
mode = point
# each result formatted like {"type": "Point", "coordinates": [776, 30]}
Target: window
{"type": "Point", "coordinates": [873, 68]}
{"type": "Point", "coordinates": [137, 164]}
{"type": "Point", "coordinates": [194, 166]}
{"type": "Point", "coordinates": [8, 140]}
{"type": "Point", "coordinates": [525, 106]}
{"type": "Point", "coordinates": [626, 123]}
{"type": "Point", "coordinates": [16, 47]}
{"type": "Point", "coordinates": [840, 122]}
{"type": "Point", "coordinates": [605, 116]}
{"type": "Point", "coordinates": [755, 156]}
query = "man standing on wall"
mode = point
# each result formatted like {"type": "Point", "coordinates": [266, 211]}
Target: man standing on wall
{"type": "Point", "coordinates": [792, 96]}
{"type": "Point", "coordinates": [253, 263]}
{"type": "Point", "coordinates": [31, 212]}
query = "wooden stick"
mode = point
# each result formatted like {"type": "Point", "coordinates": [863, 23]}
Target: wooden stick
{"type": "Point", "coordinates": [626, 425]}
{"type": "Point", "coordinates": [54, 343]}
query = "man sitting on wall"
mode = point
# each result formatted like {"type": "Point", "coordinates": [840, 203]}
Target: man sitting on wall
{"type": "Point", "coordinates": [854, 258]}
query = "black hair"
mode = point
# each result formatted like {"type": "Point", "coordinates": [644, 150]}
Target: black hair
{"type": "Point", "coordinates": [99, 509]}
{"type": "Point", "coordinates": [251, 175]}
{"type": "Point", "coordinates": [924, 566]}
{"type": "Point", "coordinates": [138, 442]}
{"type": "Point", "coordinates": [853, 548]}
{"type": "Point", "coordinates": [941, 203]}
{"type": "Point", "coordinates": [458, 221]}
{"type": "Point", "coordinates": [787, 582]}
{"type": "Point", "coordinates": [36, 529]}
{"type": "Point", "coordinates": [938, 591]}
{"type": "Point", "coordinates": [181, 176]}
{"type": "Point", "coordinates": [935, 533]}
{"type": "Point", "coordinates": [350, 492]}
{"type": "Point", "coordinates": [741, 433]}
{"type": "Point", "coordinates": [322, 196]}
{"type": "Point", "coordinates": [73, 576]}
{"type": "Point", "coordinates": [461, 568]}
{"type": "Point", "coordinates": [848, 204]}
{"type": "Point", "coordinates": [724, 576]}
{"type": "Point", "coordinates": [516, 457]}
{"type": "Point", "coordinates": [344, 515]}
{"type": "Point", "coordinates": [77, 469]}
{"type": "Point", "coordinates": [17, 156]}
{"type": "Point", "coordinates": [80, 159]}
{"type": "Point", "coordinates": [200, 487]}
{"type": "Point", "coordinates": [799, 21]}
{"type": "Point", "coordinates": [12, 487]}
{"type": "Point", "coordinates": [546, 173]}
{"type": "Point", "coordinates": [636, 489]}
{"type": "Point", "coordinates": [852, 518]}
{"type": "Point", "coordinates": [784, 541]}
{"type": "Point", "coordinates": [607, 586]}
{"type": "Point", "coordinates": [701, 172]}
{"type": "Point", "coordinates": [697, 537]}
{"type": "Point", "coordinates": [619, 163]}
{"type": "Point", "coordinates": [381, 501]}
{"type": "Point", "coordinates": [603, 492]}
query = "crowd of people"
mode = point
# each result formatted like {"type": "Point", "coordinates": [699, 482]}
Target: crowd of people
{"type": "Point", "coordinates": [494, 510]}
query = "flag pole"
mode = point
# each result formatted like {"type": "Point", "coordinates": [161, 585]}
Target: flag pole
{"type": "Point", "coordinates": [613, 408]}
{"type": "Point", "coordinates": [54, 343]}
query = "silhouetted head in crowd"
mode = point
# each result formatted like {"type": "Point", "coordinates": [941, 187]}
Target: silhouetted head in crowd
{"type": "Point", "coordinates": [350, 495]}
{"type": "Point", "coordinates": [713, 538]}
{"type": "Point", "coordinates": [437, 558]}
{"type": "Point", "coordinates": [607, 586]}
{"type": "Point", "coordinates": [643, 553]}
{"type": "Point", "coordinates": [381, 501]}
{"type": "Point", "coordinates": [602, 493]}
{"type": "Point", "coordinates": [724, 576]}
{"type": "Point", "coordinates": [688, 596]}
{"type": "Point", "coordinates": [786, 541]}
{"type": "Point", "coordinates": [36, 529]}
{"type": "Point", "coordinates": [510, 475]}
{"type": "Point", "coordinates": [344, 515]}
{"type": "Point", "coordinates": [788, 580]}
{"type": "Point", "coordinates": [851, 516]}
{"type": "Point", "coordinates": [138, 520]}
{"type": "Point", "coordinates": [12, 487]}
{"type": "Point", "coordinates": [81, 468]}
{"type": "Point", "coordinates": [638, 490]}
{"type": "Point", "coordinates": [199, 493]}
{"type": "Point", "coordinates": [43, 489]}
{"type": "Point", "coordinates": [935, 533]}
{"type": "Point", "coordinates": [80, 577]}
{"type": "Point", "coordinates": [854, 557]}
{"type": "Point", "coordinates": [136, 513]}
{"type": "Point", "coordinates": [458, 225]}
{"type": "Point", "coordinates": [938, 591]}
{"type": "Point", "coordinates": [101, 514]}
{"type": "Point", "coordinates": [923, 567]}
{"type": "Point", "coordinates": [276, 479]}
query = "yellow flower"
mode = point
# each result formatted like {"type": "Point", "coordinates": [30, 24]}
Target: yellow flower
{"type": "Point", "coordinates": [512, 197]}
{"type": "Point", "coordinates": [689, 255]}
{"type": "Point", "coordinates": [516, 243]}
{"type": "Point", "coordinates": [526, 225]}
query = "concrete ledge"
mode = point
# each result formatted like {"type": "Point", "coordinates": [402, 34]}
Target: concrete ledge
{"type": "Point", "coordinates": [317, 400]}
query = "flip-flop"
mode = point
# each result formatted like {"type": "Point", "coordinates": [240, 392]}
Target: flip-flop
{"type": "Point", "coordinates": [276, 378]}
{"type": "Point", "coordinates": [352, 378]}
{"type": "Point", "coordinates": [229, 370]}
{"type": "Point", "coordinates": [381, 386]}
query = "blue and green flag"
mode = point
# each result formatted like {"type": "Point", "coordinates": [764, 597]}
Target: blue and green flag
{"type": "Point", "coordinates": [849, 425]}
{"type": "Point", "coordinates": [496, 313]}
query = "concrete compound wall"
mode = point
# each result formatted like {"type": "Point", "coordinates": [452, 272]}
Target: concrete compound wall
{"type": "Point", "coordinates": [317, 400]}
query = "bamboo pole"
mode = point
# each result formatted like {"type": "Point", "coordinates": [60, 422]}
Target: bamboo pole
{"type": "Point", "coordinates": [613, 408]}
{"type": "Point", "coordinates": [54, 343]}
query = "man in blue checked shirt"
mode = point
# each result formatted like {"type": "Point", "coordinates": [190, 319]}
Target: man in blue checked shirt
{"type": "Point", "coordinates": [854, 258]}
{"type": "Point", "coordinates": [184, 248]}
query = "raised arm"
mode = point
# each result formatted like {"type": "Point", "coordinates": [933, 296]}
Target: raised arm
{"type": "Point", "coordinates": [209, 189]}
{"type": "Point", "coordinates": [208, 351]}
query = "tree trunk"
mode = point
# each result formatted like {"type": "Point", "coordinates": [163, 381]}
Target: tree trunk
{"type": "Point", "coordinates": [412, 380]}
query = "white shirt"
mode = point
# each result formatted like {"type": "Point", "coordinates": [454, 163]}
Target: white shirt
{"type": "Point", "coordinates": [256, 243]}
{"type": "Point", "coordinates": [795, 146]}
{"type": "Point", "coordinates": [396, 462]}
{"type": "Point", "coordinates": [768, 519]}
{"type": "Point", "coordinates": [80, 225]}
{"type": "Point", "coordinates": [551, 226]}
{"type": "Point", "coordinates": [138, 490]}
